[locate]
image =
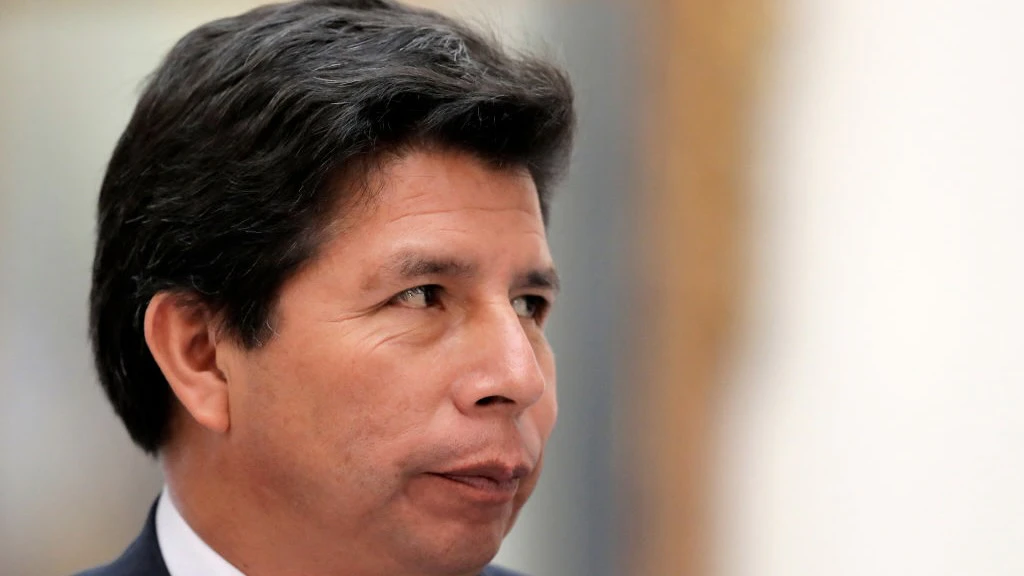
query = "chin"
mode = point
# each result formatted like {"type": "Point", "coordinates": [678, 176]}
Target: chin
{"type": "Point", "coordinates": [462, 560]}
{"type": "Point", "coordinates": [461, 550]}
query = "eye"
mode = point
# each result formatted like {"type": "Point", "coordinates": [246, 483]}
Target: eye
{"type": "Point", "coordinates": [529, 306]}
{"type": "Point", "coordinates": [426, 296]}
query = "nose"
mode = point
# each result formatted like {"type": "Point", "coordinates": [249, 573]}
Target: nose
{"type": "Point", "coordinates": [500, 372]}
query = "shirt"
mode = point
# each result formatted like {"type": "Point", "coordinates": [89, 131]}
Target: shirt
{"type": "Point", "coordinates": [183, 550]}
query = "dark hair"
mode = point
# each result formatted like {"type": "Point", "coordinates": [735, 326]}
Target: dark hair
{"type": "Point", "coordinates": [227, 172]}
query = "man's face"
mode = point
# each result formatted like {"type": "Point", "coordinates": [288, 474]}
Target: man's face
{"type": "Point", "coordinates": [405, 398]}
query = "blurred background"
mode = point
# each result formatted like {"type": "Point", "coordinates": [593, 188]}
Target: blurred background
{"type": "Point", "coordinates": [791, 340]}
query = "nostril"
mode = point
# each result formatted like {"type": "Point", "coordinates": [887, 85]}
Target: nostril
{"type": "Point", "coordinates": [489, 400]}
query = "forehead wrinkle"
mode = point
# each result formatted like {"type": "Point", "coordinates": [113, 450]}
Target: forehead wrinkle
{"type": "Point", "coordinates": [531, 214]}
{"type": "Point", "coordinates": [539, 233]}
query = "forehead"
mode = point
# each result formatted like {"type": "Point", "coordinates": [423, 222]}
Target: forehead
{"type": "Point", "coordinates": [441, 204]}
{"type": "Point", "coordinates": [438, 188]}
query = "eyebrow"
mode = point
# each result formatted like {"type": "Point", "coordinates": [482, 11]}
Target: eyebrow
{"type": "Point", "coordinates": [414, 265]}
{"type": "Point", "coordinates": [411, 265]}
{"type": "Point", "coordinates": [544, 278]}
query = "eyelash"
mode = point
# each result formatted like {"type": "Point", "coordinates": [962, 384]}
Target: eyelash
{"type": "Point", "coordinates": [538, 305]}
{"type": "Point", "coordinates": [430, 291]}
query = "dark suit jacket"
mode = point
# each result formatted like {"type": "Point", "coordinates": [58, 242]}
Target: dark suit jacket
{"type": "Point", "coordinates": [143, 557]}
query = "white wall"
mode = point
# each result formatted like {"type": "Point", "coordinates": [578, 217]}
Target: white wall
{"type": "Point", "coordinates": [874, 424]}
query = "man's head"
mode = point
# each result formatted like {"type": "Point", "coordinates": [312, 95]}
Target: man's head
{"type": "Point", "coordinates": [321, 280]}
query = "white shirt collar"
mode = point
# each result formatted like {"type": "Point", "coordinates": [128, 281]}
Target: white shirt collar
{"type": "Point", "coordinates": [184, 552]}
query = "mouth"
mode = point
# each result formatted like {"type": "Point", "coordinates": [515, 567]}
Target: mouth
{"type": "Point", "coordinates": [490, 482]}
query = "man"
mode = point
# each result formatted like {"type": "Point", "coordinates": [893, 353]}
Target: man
{"type": "Point", "coordinates": [320, 288]}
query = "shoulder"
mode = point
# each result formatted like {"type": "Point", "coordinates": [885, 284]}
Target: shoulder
{"type": "Point", "coordinates": [142, 558]}
{"type": "Point", "coordinates": [108, 570]}
{"type": "Point", "coordinates": [493, 570]}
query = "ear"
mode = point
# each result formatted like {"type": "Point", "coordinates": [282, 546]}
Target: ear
{"type": "Point", "coordinates": [182, 338]}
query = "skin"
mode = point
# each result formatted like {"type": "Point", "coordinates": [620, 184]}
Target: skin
{"type": "Point", "coordinates": [395, 422]}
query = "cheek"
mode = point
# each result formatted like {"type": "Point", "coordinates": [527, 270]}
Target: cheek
{"type": "Point", "coordinates": [326, 423]}
{"type": "Point", "coordinates": [298, 394]}
{"type": "Point", "coordinates": [352, 395]}
{"type": "Point", "coordinates": [352, 399]}
{"type": "Point", "coordinates": [279, 410]}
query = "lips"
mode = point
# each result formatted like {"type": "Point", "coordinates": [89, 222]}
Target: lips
{"type": "Point", "coordinates": [489, 480]}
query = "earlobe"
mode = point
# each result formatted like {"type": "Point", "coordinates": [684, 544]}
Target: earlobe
{"type": "Point", "coordinates": [181, 338]}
